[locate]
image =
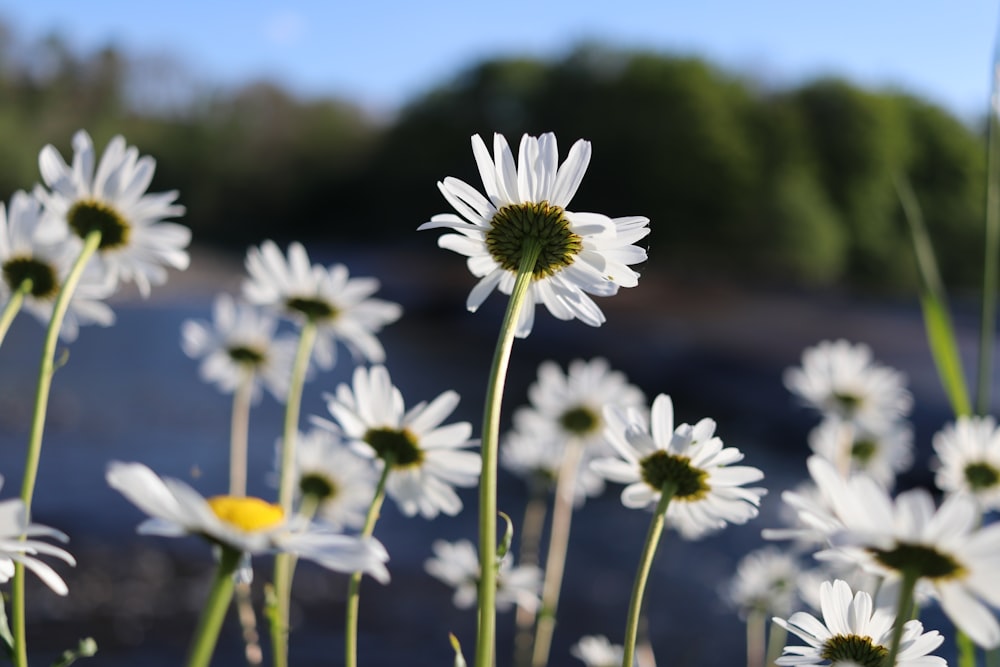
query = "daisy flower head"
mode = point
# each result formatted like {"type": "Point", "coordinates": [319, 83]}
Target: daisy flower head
{"type": "Point", "coordinates": [525, 210]}
{"type": "Point", "coordinates": [766, 581]}
{"type": "Point", "coordinates": [690, 461]}
{"type": "Point", "coordinates": [426, 459]}
{"type": "Point", "coordinates": [25, 255]}
{"type": "Point", "coordinates": [245, 524]}
{"type": "Point", "coordinates": [968, 459]}
{"type": "Point", "coordinates": [333, 478]}
{"type": "Point", "coordinates": [951, 559]}
{"type": "Point", "coordinates": [18, 544]}
{"type": "Point", "coordinates": [341, 307]}
{"type": "Point", "coordinates": [136, 243]}
{"type": "Point", "coordinates": [239, 343]}
{"type": "Point", "coordinates": [597, 651]}
{"type": "Point", "coordinates": [853, 632]}
{"type": "Point", "coordinates": [880, 453]}
{"type": "Point", "coordinates": [457, 565]}
{"type": "Point", "coordinates": [840, 379]}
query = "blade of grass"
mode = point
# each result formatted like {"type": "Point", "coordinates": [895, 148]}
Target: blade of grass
{"type": "Point", "coordinates": [992, 243]}
{"type": "Point", "coordinates": [934, 303]}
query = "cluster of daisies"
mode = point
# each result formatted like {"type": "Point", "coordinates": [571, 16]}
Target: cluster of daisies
{"type": "Point", "coordinates": [877, 558]}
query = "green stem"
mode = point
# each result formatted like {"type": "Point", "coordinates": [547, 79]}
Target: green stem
{"type": "Point", "coordinates": [642, 572]}
{"type": "Point", "coordinates": [238, 435]}
{"type": "Point", "coordinates": [486, 632]}
{"type": "Point", "coordinates": [991, 243]}
{"type": "Point", "coordinates": [775, 643]}
{"type": "Point", "coordinates": [354, 585]}
{"type": "Point", "coordinates": [904, 607]}
{"type": "Point", "coordinates": [45, 372]}
{"type": "Point", "coordinates": [214, 612]}
{"type": "Point", "coordinates": [13, 306]}
{"type": "Point", "coordinates": [555, 562]}
{"type": "Point", "coordinates": [532, 526]}
{"type": "Point", "coordinates": [756, 633]}
{"type": "Point", "coordinates": [286, 492]}
{"type": "Point", "coordinates": [966, 649]}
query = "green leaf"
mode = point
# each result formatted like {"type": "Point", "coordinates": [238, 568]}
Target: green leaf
{"type": "Point", "coordinates": [504, 547]}
{"type": "Point", "coordinates": [934, 303]}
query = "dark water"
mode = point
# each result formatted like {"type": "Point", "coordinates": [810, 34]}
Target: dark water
{"type": "Point", "coordinates": [130, 393]}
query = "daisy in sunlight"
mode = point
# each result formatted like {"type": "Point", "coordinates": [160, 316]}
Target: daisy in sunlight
{"type": "Point", "coordinates": [247, 525]}
{"type": "Point", "coordinates": [341, 307]}
{"type": "Point", "coordinates": [690, 461]}
{"type": "Point", "coordinates": [525, 210]}
{"type": "Point", "coordinates": [841, 379]}
{"type": "Point", "coordinates": [968, 459]}
{"type": "Point", "coordinates": [426, 460]}
{"type": "Point", "coordinates": [34, 270]}
{"type": "Point", "coordinates": [240, 340]}
{"type": "Point", "coordinates": [18, 545]}
{"type": "Point", "coordinates": [853, 632]}
{"type": "Point", "coordinates": [110, 197]}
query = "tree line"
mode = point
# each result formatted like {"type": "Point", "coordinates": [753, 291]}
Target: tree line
{"type": "Point", "coordinates": [792, 186]}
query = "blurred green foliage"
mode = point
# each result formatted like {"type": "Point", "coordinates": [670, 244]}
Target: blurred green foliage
{"type": "Point", "coordinates": [789, 187]}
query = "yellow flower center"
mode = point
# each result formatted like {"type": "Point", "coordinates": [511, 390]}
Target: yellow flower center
{"type": "Point", "coordinates": [88, 215]}
{"type": "Point", "coordinates": [513, 225]}
{"type": "Point", "coordinates": [247, 514]}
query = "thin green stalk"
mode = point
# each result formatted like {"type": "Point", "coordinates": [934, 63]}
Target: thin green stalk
{"type": "Point", "coordinates": [238, 434]}
{"type": "Point", "coordinates": [486, 633]}
{"type": "Point", "coordinates": [286, 492]}
{"type": "Point", "coordinates": [13, 307]}
{"type": "Point", "coordinates": [991, 244]}
{"type": "Point", "coordinates": [775, 643]}
{"type": "Point", "coordinates": [532, 526]}
{"type": "Point", "coordinates": [214, 613]}
{"type": "Point", "coordinates": [642, 572]}
{"type": "Point", "coordinates": [966, 649]}
{"type": "Point", "coordinates": [756, 632]}
{"type": "Point", "coordinates": [354, 585]}
{"type": "Point", "coordinates": [555, 562]}
{"type": "Point", "coordinates": [238, 437]}
{"type": "Point", "coordinates": [903, 608]}
{"type": "Point", "coordinates": [45, 372]}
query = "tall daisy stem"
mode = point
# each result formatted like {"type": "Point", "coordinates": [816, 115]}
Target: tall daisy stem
{"type": "Point", "coordinates": [239, 429]}
{"type": "Point", "coordinates": [214, 613]}
{"type": "Point", "coordinates": [354, 585]}
{"type": "Point", "coordinates": [532, 526]}
{"type": "Point", "coordinates": [555, 562]}
{"type": "Point", "coordinates": [486, 634]}
{"type": "Point", "coordinates": [45, 372]}
{"type": "Point", "coordinates": [286, 492]}
{"type": "Point", "coordinates": [13, 306]}
{"type": "Point", "coordinates": [642, 572]}
{"type": "Point", "coordinates": [904, 609]}
{"type": "Point", "coordinates": [756, 633]}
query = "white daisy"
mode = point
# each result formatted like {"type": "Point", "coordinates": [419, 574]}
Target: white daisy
{"type": "Point", "coordinates": [766, 581]}
{"type": "Point", "coordinates": [810, 507]}
{"type": "Point", "coordinates": [339, 482]}
{"type": "Point", "coordinates": [426, 458]}
{"type": "Point", "coordinates": [882, 454]}
{"type": "Point", "coordinates": [25, 255]}
{"type": "Point", "coordinates": [239, 341]}
{"type": "Point", "coordinates": [955, 562]}
{"type": "Point", "coordinates": [598, 651]}
{"type": "Point", "coordinates": [852, 632]}
{"type": "Point", "coordinates": [17, 545]}
{"type": "Point", "coordinates": [337, 304]}
{"type": "Point", "coordinates": [841, 379]}
{"type": "Point", "coordinates": [581, 253]}
{"type": "Point", "coordinates": [457, 564]}
{"type": "Point", "coordinates": [708, 491]}
{"type": "Point", "coordinates": [136, 244]}
{"type": "Point", "coordinates": [245, 524]}
{"type": "Point", "coordinates": [968, 459]}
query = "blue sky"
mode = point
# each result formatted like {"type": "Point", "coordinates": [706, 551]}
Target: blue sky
{"type": "Point", "coordinates": [383, 52]}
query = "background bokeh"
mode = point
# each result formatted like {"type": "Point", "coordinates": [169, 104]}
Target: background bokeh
{"type": "Point", "coordinates": [765, 163]}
